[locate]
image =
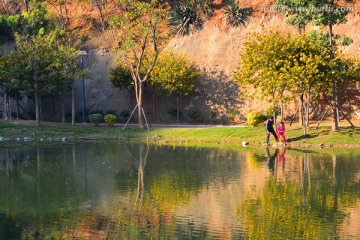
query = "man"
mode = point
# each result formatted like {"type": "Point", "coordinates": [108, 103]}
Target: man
{"type": "Point", "coordinates": [270, 129]}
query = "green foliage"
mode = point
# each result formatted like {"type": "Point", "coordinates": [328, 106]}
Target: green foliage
{"type": "Point", "coordinates": [344, 40]}
{"type": "Point", "coordinates": [296, 18]}
{"type": "Point", "coordinates": [172, 112]}
{"type": "Point", "coordinates": [120, 77]}
{"type": "Point", "coordinates": [124, 114]}
{"type": "Point", "coordinates": [36, 20]}
{"type": "Point", "coordinates": [255, 118]}
{"type": "Point", "coordinates": [274, 62]}
{"type": "Point", "coordinates": [111, 112]}
{"type": "Point", "coordinates": [110, 120]}
{"type": "Point", "coordinates": [231, 114]}
{"type": "Point", "coordinates": [236, 16]}
{"type": "Point", "coordinates": [213, 114]}
{"type": "Point", "coordinates": [174, 73]}
{"type": "Point", "coordinates": [96, 118]}
{"type": "Point", "coordinates": [270, 112]}
{"type": "Point", "coordinates": [6, 32]}
{"type": "Point", "coordinates": [184, 19]}
{"type": "Point", "coordinates": [195, 115]}
{"type": "Point", "coordinates": [140, 27]}
{"type": "Point", "coordinates": [96, 111]}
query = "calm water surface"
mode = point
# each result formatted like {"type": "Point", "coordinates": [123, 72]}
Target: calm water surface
{"type": "Point", "coordinates": [117, 191]}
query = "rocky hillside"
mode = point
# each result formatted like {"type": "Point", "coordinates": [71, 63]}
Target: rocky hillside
{"type": "Point", "coordinates": [215, 48]}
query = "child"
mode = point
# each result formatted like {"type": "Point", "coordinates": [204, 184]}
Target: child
{"type": "Point", "coordinates": [280, 131]}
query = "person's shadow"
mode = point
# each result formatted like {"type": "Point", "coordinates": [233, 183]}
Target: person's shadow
{"type": "Point", "coordinates": [270, 159]}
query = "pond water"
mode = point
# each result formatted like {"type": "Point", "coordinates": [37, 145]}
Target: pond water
{"type": "Point", "coordinates": [119, 191]}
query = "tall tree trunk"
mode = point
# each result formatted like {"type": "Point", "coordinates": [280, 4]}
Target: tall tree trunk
{"type": "Point", "coordinates": [139, 102]}
{"type": "Point", "coordinates": [17, 106]}
{"type": "Point", "coordinates": [73, 105]}
{"type": "Point", "coordinates": [37, 105]}
{"type": "Point", "coordinates": [307, 109]}
{"type": "Point", "coordinates": [53, 107]}
{"type": "Point", "coordinates": [62, 105]}
{"type": "Point", "coordinates": [301, 112]}
{"type": "Point", "coordinates": [177, 109]}
{"type": "Point", "coordinates": [335, 125]}
{"type": "Point", "coordinates": [7, 110]}
{"type": "Point", "coordinates": [153, 107]}
{"type": "Point", "coordinates": [41, 108]}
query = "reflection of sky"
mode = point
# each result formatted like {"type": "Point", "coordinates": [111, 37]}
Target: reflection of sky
{"type": "Point", "coordinates": [101, 179]}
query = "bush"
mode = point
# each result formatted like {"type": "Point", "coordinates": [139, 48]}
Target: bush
{"type": "Point", "coordinates": [90, 112]}
{"type": "Point", "coordinates": [172, 111]}
{"type": "Point", "coordinates": [231, 114]}
{"type": "Point", "coordinates": [124, 114]}
{"type": "Point", "coordinates": [195, 115]}
{"type": "Point", "coordinates": [96, 118]}
{"type": "Point", "coordinates": [110, 112]}
{"type": "Point", "coordinates": [236, 16]}
{"type": "Point", "coordinates": [184, 19]}
{"type": "Point", "coordinates": [110, 120]}
{"type": "Point", "coordinates": [255, 118]}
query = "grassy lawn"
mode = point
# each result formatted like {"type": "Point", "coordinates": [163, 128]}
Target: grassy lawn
{"type": "Point", "coordinates": [345, 137]}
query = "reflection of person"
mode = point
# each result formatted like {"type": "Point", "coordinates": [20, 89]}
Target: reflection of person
{"type": "Point", "coordinates": [280, 131]}
{"type": "Point", "coordinates": [281, 158]}
{"type": "Point", "coordinates": [271, 160]}
{"type": "Point", "coordinates": [270, 129]}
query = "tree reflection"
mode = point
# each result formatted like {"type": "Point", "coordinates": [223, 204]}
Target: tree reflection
{"type": "Point", "coordinates": [308, 210]}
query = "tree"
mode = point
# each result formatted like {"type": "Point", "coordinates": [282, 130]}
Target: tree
{"type": "Point", "coordinates": [140, 27]}
{"type": "Point", "coordinates": [120, 77]}
{"type": "Point", "coordinates": [275, 63]}
{"type": "Point", "coordinates": [46, 65]}
{"type": "Point", "coordinates": [64, 71]}
{"type": "Point", "coordinates": [321, 13]}
{"type": "Point", "coordinates": [298, 12]}
{"type": "Point", "coordinates": [174, 73]}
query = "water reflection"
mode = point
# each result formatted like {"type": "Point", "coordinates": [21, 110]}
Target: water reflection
{"type": "Point", "coordinates": [117, 191]}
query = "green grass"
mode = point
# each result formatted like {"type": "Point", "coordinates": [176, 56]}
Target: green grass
{"type": "Point", "coordinates": [232, 136]}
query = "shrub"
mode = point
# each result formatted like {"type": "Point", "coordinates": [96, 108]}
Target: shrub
{"type": "Point", "coordinates": [96, 118]}
{"type": "Point", "coordinates": [90, 112]}
{"type": "Point", "coordinates": [110, 120]}
{"type": "Point", "coordinates": [172, 111]}
{"type": "Point", "coordinates": [110, 112]}
{"type": "Point", "coordinates": [236, 16]}
{"type": "Point", "coordinates": [124, 114]}
{"type": "Point", "coordinates": [195, 115]}
{"type": "Point", "coordinates": [255, 118]}
{"type": "Point", "coordinates": [184, 19]}
{"type": "Point", "coordinates": [231, 114]}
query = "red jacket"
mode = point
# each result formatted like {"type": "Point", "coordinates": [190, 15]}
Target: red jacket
{"type": "Point", "coordinates": [280, 129]}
